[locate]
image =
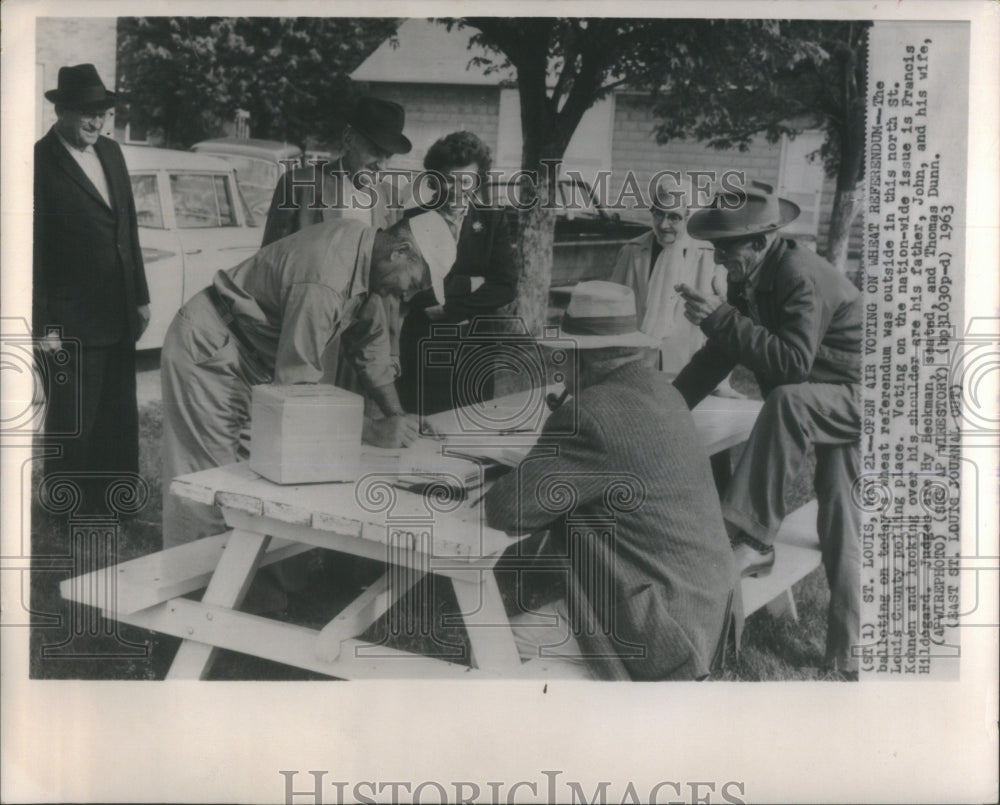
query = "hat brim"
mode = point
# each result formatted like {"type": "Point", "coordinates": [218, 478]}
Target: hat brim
{"type": "Point", "coordinates": [788, 211]}
{"type": "Point", "coordinates": [634, 339]}
{"type": "Point", "coordinates": [109, 100]}
{"type": "Point", "coordinates": [391, 143]}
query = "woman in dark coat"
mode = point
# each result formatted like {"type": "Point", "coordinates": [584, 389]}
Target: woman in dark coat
{"type": "Point", "coordinates": [482, 280]}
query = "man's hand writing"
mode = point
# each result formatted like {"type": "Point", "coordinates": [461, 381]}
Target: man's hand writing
{"type": "Point", "coordinates": [392, 431]}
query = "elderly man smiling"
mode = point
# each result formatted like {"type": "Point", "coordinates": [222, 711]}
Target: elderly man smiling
{"type": "Point", "coordinates": [795, 321]}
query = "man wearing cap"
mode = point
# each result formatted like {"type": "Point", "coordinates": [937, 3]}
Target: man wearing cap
{"type": "Point", "coordinates": [655, 262]}
{"type": "Point", "coordinates": [656, 573]}
{"type": "Point", "coordinates": [89, 284]}
{"type": "Point", "coordinates": [269, 319]}
{"type": "Point", "coordinates": [795, 321]}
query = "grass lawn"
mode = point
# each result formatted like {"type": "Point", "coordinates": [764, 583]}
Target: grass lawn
{"type": "Point", "coordinates": [773, 648]}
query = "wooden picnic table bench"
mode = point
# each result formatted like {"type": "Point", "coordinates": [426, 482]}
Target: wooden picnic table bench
{"type": "Point", "coordinates": [381, 516]}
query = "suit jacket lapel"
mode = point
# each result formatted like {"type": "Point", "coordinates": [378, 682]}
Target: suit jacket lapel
{"type": "Point", "coordinates": [643, 269]}
{"type": "Point", "coordinates": [110, 174]}
{"type": "Point", "coordinates": [62, 158]}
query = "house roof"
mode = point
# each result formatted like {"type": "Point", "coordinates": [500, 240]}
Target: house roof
{"type": "Point", "coordinates": [429, 53]}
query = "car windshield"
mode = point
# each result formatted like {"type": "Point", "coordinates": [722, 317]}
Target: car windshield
{"type": "Point", "coordinates": [251, 171]}
{"type": "Point", "coordinates": [202, 200]}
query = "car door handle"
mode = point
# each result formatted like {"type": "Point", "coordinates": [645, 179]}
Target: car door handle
{"type": "Point", "coordinates": [194, 251]}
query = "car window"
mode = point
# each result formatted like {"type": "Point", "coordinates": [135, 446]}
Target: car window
{"type": "Point", "coordinates": [146, 193]}
{"type": "Point", "coordinates": [201, 200]}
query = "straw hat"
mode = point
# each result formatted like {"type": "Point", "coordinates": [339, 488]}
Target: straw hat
{"type": "Point", "coordinates": [602, 314]}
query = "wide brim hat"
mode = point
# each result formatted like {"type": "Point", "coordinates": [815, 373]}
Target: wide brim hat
{"type": "Point", "coordinates": [437, 244]}
{"type": "Point", "coordinates": [381, 122]}
{"type": "Point", "coordinates": [601, 314]}
{"type": "Point", "coordinates": [753, 209]}
{"type": "Point", "coordinates": [80, 87]}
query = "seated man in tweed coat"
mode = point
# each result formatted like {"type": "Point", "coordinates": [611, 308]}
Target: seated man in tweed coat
{"type": "Point", "coordinates": [629, 495]}
{"type": "Point", "coordinates": [795, 321]}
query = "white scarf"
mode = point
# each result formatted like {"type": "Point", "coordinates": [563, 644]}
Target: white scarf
{"type": "Point", "coordinates": [663, 303]}
{"type": "Point", "coordinates": [664, 319]}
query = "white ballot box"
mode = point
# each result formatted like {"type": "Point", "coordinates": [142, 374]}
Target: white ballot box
{"type": "Point", "coordinates": [306, 433]}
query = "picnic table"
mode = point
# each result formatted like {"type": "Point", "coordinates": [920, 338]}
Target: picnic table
{"type": "Point", "coordinates": [385, 515]}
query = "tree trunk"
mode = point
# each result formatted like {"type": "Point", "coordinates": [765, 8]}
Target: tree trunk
{"type": "Point", "coordinates": [847, 202]}
{"type": "Point", "coordinates": [533, 252]}
{"type": "Point", "coordinates": [536, 236]}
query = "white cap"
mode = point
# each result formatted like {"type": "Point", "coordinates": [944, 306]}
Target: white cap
{"type": "Point", "coordinates": [437, 245]}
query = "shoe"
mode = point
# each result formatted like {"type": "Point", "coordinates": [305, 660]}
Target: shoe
{"type": "Point", "coordinates": [753, 562]}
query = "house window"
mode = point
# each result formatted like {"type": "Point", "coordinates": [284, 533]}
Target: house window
{"type": "Point", "coordinates": [800, 180]}
{"type": "Point", "coordinates": [136, 134]}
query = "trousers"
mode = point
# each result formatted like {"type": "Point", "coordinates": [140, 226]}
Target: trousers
{"type": "Point", "coordinates": [93, 418]}
{"type": "Point", "coordinates": [793, 417]}
{"type": "Point", "coordinates": [206, 377]}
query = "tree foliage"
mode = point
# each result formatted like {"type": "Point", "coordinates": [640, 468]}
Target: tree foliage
{"type": "Point", "coordinates": [741, 78]}
{"type": "Point", "coordinates": [719, 81]}
{"type": "Point", "coordinates": [187, 76]}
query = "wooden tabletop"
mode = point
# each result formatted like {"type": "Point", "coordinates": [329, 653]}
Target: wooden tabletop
{"type": "Point", "coordinates": [373, 505]}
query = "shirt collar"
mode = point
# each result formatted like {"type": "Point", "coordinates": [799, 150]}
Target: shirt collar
{"type": "Point", "coordinates": [755, 277]}
{"type": "Point", "coordinates": [88, 149]}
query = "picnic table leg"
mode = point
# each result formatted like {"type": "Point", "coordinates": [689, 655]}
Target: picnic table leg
{"type": "Point", "coordinates": [227, 588]}
{"type": "Point", "coordinates": [364, 610]}
{"type": "Point", "coordinates": [485, 618]}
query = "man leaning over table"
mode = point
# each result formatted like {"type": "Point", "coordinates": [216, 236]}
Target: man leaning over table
{"type": "Point", "coordinates": [314, 193]}
{"type": "Point", "coordinates": [668, 564]}
{"type": "Point", "coordinates": [269, 319]}
{"type": "Point", "coordinates": [795, 321]}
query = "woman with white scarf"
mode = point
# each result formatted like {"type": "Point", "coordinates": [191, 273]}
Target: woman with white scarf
{"type": "Point", "coordinates": [652, 264]}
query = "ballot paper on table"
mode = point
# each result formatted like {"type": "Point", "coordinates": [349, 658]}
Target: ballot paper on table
{"type": "Point", "coordinates": [426, 461]}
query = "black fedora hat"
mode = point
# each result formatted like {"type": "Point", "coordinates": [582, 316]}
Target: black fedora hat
{"type": "Point", "coordinates": [80, 87]}
{"type": "Point", "coordinates": [751, 210]}
{"type": "Point", "coordinates": [382, 123]}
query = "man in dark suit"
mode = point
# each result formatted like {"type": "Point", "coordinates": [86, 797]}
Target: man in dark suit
{"type": "Point", "coordinates": [312, 194]}
{"type": "Point", "coordinates": [89, 285]}
{"type": "Point", "coordinates": [481, 282]}
{"type": "Point", "coordinates": [628, 492]}
{"type": "Point", "coordinates": [795, 321]}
